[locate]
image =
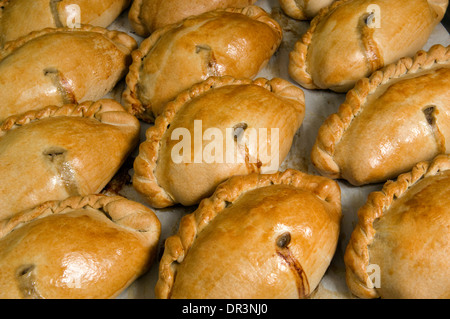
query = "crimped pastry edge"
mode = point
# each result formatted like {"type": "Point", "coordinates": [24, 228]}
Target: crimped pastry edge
{"type": "Point", "coordinates": [144, 179]}
{"type": "Point", "coordinates": [128, 214]}
{"type": "Point", "coordinates": [356, 256]}
{"type": "Point", "coordinates": [122, 40]}
{"type": "Point", "coordinates": [178, 245]}
{"type": "Point", "coordinates": [107, 111]}
{"type": "Point", "coordinates": [331, 131]}
{"type": "Point", "coordinates": [130, 95]}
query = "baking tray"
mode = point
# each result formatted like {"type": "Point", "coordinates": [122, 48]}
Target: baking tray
{"type": "Point", "coordinates": [319, 104]}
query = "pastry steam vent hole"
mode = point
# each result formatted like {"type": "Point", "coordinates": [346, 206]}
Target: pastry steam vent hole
{"type": "Point", "coordinates": [283, 240]}
{"type": "Point", "coordinates": [25, 270]}
{"type": "Point", "coordinates": [27, 282]}
{"type": "Point", "coordinates": [238, 130]}
{"type": "Point", "coordinates": [429, 114]}
{"type": "Point", "coordinates": [207, 55]}
{"type": "Point", "coordinates": [55, 154]}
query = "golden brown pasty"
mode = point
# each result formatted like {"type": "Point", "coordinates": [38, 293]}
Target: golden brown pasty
{"type": "Point", "coordinates": [20, 17]}
{"type": "Point", "coordinates": [350, 39]}
{"type": "Point", "coordinates": [400, 246]}
{"type": "Point", "coordinates": [148, 15]}
{"type": "Point", "coordinates": [61, 66]}
{"type": "Point", "coordinates": [235, 42]}
{"type": "Point", "coordinates": [219, 128]}
{"type": "Point", "coordinates": [389, 122]}
{"type": "Point", "coordinates": [79, 248]}
{"type": "Point", "coordinates": [57, 152]}
{"type": "Point", "coordinates": [258, 236]}
{"type": "Point", "coordinates": [303, 9]}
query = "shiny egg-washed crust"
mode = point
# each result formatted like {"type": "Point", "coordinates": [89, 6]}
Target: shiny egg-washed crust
{"type": "Point", "coordinates": [298, 66]}
{"type": "Point", "coordinates": [20, 17]}
{"type": "Point", "coordinates": [131, 217]}
{"type": "Point", "coordinates": [146, 16]}
{"type": "Point", "coordinates": [82, 177]}
{"type": "Point", "coordinates": [303, 9]}
{"type": "Point", "coordinates": [144, 179]}
{"type": "Point", "coordinates": [130, 95]}
{"type": "Point", "coordinates": [178, 246]}
{"type": "Point", "coordinates": [357, 255]}
{"type": "Point", "coordinates": [53, 78]}
{"type": "Point", "coordinates": [334, 127]}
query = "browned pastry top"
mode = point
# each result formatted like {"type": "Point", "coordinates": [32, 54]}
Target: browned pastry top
{"type": "Point", "coordinates": [235, 41]}
{"type": "Point", "coordinates": [57, 152]}
{"type": "Point", "coordinates": [389, 122]}
{"type": "Point", "coordinates": [61, 66]}
{"type": "Point", "coordinates": [20, 17]}
{"type": "Point", "coordinates": [82, 247]}
{"type": "Point", "coordinates": [257, 236]}
{"type": "Point", "coordinates": [221, 104]}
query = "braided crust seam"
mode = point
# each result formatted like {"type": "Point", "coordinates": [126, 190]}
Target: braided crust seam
{"type": "Point", "coordinates": [106, 111]}
{"type": "Point", "coordinates": [128, 214]}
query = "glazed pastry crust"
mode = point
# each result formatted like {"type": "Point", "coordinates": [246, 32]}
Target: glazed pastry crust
{"type": "Point", "coordinates": [160, 70]}
{"type": "Point", "coordinates": [146, 16]}
{"type": "Point", "coordinates": [367, 91]}
{"type": "Point", "coordinates": [357, 256]}
{"type": "Point", "coordinates": [50, 67]}
{"type": "Point", "coordinates": [303, 9]}
{"type": "Point", "coordinates": [177, 247]}
{"type": "Point", "coordinates": [321, 59]}
{"type": "Point", "coordinates": [100, 226]}
{"type": "Point", "coordinates": [20, 17]}
{"type": "Point", "coordinates": [64, 149]}
{"type": "Point", "coordinates": [145, 178]}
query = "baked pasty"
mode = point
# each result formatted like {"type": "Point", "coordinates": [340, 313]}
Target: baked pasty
{"type": "Point", "coordinates": [20, 17]}
{"type": "Point", "coordinates": [219, 128]}
{"type": "Point", "coordinates": [57, 152]}
{"type": "Point", "coordinates": [79, 248]}
{"type": "Point", "coordinates": [346, 42]}
{"type": "Point", "coordinates": [400, 246]}
{"type": "Point", "coordinates": [389, 122]}
{"type": "Point", "coordinates": [235, 42]}
{"type": "Point", "coordinates": [61, 66]}
{"type": "Point", "coordinates": [303, 9]}
{"type": "Point", "coordinates": [258, 236]}
{"type": "Point", "coordinates": [148, 15]}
